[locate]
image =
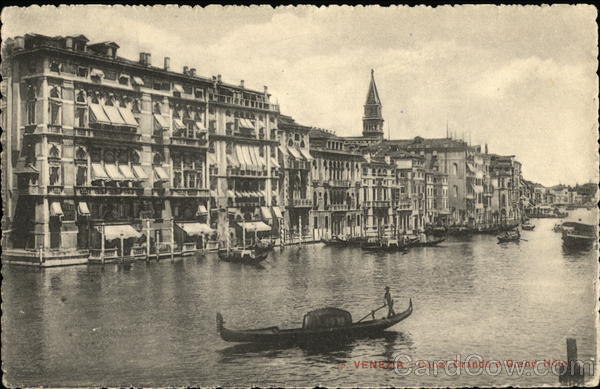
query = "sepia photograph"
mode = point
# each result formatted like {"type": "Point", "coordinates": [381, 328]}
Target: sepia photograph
{"type": "Point", "coordinates": [299, 196]}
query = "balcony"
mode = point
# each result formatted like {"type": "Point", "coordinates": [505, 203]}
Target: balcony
{"type": "Point", "coordinates": [188, 141]}
{"type": "Point", "coordinates": [244, 102]}
{"type": "Point", "coordinates": [110, 134]}
{"type": "Point", "coordinates": [189, 192]}
{"type": "Point", "coordinates": [55, 128]}
{"type": "Point", "coordinates": [29, 190]}
{"type": "Point", "coordinates": [338, 207]}
{"type": "Point", "coordinates": [339, 183]}
{"type": "Point", "coordinates": [237, 172]}
{"type": "Point", "coordinates": [377, 204]}
{"type": "Point", "coordinates": [300, 203]}
{"type": "Point", "coordinates": [55, 189]}
{"type": "Point", "coordinates": [294, 164]}
{"type": "Point", "coordinates": [108, 191]}
{"type": "Point", "coordinates": [403, 205]}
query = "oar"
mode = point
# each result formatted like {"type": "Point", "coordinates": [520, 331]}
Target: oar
{"type": "Point", "coordinates": [371, 313]}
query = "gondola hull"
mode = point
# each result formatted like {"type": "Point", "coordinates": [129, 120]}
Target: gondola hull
{"type": "Point", "coordinates": [430, 243]}
{"type": "Point", "coordinates": [274, 335]}
{"type": "Point", "coordinates": [248, 257]}
{"type": "Point", "coordinates": [527, 227]}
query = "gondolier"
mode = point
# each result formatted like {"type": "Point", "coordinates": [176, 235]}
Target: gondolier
{"type": "Point", "coordinates": [389, 301]}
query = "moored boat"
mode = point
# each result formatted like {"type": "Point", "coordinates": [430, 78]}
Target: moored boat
{"type": "Point", "coordinates": [578, 235]}
{"type": "Point", "coordinates": [430, 242]}
{"type": "Point", "coordinates": [528, 227]}
{"type": "Point", "coordinates": [320, 325]}
{"type": "Point", "coordinates": [244, 256]}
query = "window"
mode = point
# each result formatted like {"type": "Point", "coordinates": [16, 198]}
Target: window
{"type": "Point", "coordinates": [55, 116]}
{"type": "Point", "coordinates": [135, 106]}
{"type": "Point", "coordinates": [54, 175]}
{"type": "Point", "coordinates": [55, 66]}
{"type": "Point", "coordinates": [81, 97]}
{"type": "Point", "coordinates": [455, 168]}
{"type": "Point", "coordinates": [297, 137]}
{"type": "Point", "coordinates": [81, 178]}
{"type": "Point", "coordinates": [81, 117]}
{"type": "Point", "coordinates": [199, 93]}
{"type": "Point", "coordinates": [55, 92]}
{"type": "Point", "coordinates": [82, 71]}
{"type": "Point", "coordinates": [31, 103]}
{"type": "Point", "coordinates": [110, 75]}
{"type": "Point", "coordinates": [455, 191]}
{"type": "Point", "coordinates": [157, 108]}
{"type": "Point", "coordinates": [157, 159]}
{"type": "Point", "coordinates": [123, 79]}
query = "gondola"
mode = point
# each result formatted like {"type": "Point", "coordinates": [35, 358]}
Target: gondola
{"type": "Point", "coordinates": [429, 243]}
{"type": "Point", "coordinates": [509, 236]}
{"type": "Point", "coordinates": [321, 325]}
{"type": "Point", "coordinates": [263, 247]}
{"type": "Point", "coordinates": [244, 256]}
{"type": "Point", "coordinates": [335, 241]}
{"type": "Point", "coordinates": [528, 227]}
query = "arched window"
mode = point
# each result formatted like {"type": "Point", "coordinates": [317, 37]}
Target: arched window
{"type": "Point", "coordinates": [109, 157]}
{"type": "Point", "coordinates": [55, 92]}
{"type": "Point", "coordinates": [81, 153]}
{"type": "Point", "coordinates": [81, 97]}
{"type": "Point", "coordinates": [54, 152]}
{"type": "Point", "coordinates": [157, 159]}
{"type": "Point", "coordinates": [455, 191]}
{"type": "Point", "coordinates": [302, 144]}
{"type": "Point", "coordinates": [290, 142]}
{"type": "Point", "coordinates": [110, 101]}
{"type": "Point", "coordinates": [135, 106]}
{"type": "Point", "coordinates": [123, 102]}
{"type": "Point", "coordinates": [455, 168]}
{"type": "Point", "coordinates": [157, 108]}
{"type": "Point", "coordinates": [135, 158]}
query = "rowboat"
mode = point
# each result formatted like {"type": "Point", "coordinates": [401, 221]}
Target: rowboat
{"type": "Point", "coordinates": [528, 227]}
{"type": "Point", "coordinates": [262, 247]}
{"type": "Point", "coordinates": [429, 243]}
{"type": "Point", "coordinates": [335, 241]}
{"type": "Point", "coordinates": [321, 325]}
{"type": "Point", "coordinates": [244, 256]}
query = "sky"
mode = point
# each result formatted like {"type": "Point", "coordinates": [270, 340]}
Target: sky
{"type": "Point", "coordinates": [520, 78]}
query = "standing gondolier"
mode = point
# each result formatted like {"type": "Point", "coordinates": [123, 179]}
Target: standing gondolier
{"type": "Point", "coordinates": [389, 302]}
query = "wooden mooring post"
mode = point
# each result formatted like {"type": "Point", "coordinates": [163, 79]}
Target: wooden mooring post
{"type": "Point", "coordinates": [572, 372]}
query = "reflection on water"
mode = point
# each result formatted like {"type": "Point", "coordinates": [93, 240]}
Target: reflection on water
{"type": "Point", "coordinates": [153, 324]}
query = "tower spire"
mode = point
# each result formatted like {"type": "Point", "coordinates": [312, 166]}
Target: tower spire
{"type": "Point", "coordinates": [373, 118]}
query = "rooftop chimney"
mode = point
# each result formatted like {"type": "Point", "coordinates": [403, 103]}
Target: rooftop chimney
{"type": "Point", "coordinates": [185, 70]}
{"type": "Point", "coordinates": [218, 78]}
{"type": "Point", "coordinates": [193, 72]}
{"type": "Point", "coordinates": [486, 149]}
{"type": "Point", "coordinates": [266, 89]}
{"type": "Point", "coordinates": [167, 63]}
{"type": "Point", "coordinates": [241, 83]}
{"type": "Point", "coordinates": [142, 58]}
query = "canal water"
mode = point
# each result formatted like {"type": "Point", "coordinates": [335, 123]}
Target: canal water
{"type": "Point", "coordinates": [153, 324]}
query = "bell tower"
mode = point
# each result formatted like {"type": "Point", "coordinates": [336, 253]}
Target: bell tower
{"type": "Point", "coordinates": [372, 118]}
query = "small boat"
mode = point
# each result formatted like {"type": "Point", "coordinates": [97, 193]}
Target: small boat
{"type": "Point", "coordinates": [509, 236]}
{"type": "Point", "coordinates": [459, 230]}
{"type": "Point", "coordinates": [321, 325]}
{"type": "Point", "coordinates": [557, 227]}
{"type": "Point", "coordinates": [578, 235]}
{"type": "Point", "coordinates": [262, 247]}
{"type": "Point", "coordinates": [430, 243]}
{"type": "Point", "coordinates": [244, 256]}
{"type": "Point", "coordinates": [528, 227]}
{"type": "Point", "coordinates": [356, 241]}
{"type": "Point", "coordinates": [335, 241]}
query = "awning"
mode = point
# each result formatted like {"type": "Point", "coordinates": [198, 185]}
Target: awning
{"type": "Point", "coordinates": [262, 162]}
{"type": "Point", "coordinates": [113, 172]}
{"type": "Point", "coordinates": [249, 157]}
{"type": "Point", "coordinates": [232, 161]}
{"type": "Point", "coordinates": [113, 115]}
{"type": "Point", "coordinates": [306, 154]}
{"type": "Point", "coordinates": [123, 75]}
{"type": "Point", "coordinates": [195, 229]}
{"type": "Point", "coordinates": [127, 172]}
{"type": "Point", "coordinates": [96, 73]}
{"type": "Point", "coordinates": [266, 213]}
{"type": "Point", "coordinates": [199, 126]}
{"type": "Point", "coordinates": [23, 168]}
{"type": "Point", "coordinates": [211, 159]}
{"type": "Point", "coordinates": [138, 81]}
{"type": "Point", "coordinates": [55, 209]}
{"type": "Point", "coordinates": [295, 153]}
{"type": "Point", "coordinates": [128, 117]}
{"type": "Point", "coordinates": [240, 194]}
{"type": "Point", "coordinates": [161, 173]}
{"type": "Point", "coordinates": [83, 209]}
{"type": "Point", "coordinates": [98, 172]}
{"type": "Point", "coordinates": [230, 193]}
{"type": "Point", "coordinates": [245, 123]}
{"type": "Point", "coordinates": [177, 88]}
{"type": "Point", "coordinates": [178, 124]}
{"type": "Point", "coordinates": [241, 157]}
{"type": "Point", "coordinates": [283, 151]}
{"type": "Point", "coordinates": [470, 167]}
{"type": "Point", "coordinates": [277, 212]}
{"type": "Point", "coordinates": [201, 210]}
{"type": "Point", "coordinates": [98, 115]}
{"type": "Point", "coordinates": [124, 231]}
{"type": "Point", "coordinates": [274, 162]}
{"type": "Point", "coordinates": [139, 172]}
{"type": "Point", "coordinates": [255, 226]}
{"type": "Point", "coordinates": [162, 122]}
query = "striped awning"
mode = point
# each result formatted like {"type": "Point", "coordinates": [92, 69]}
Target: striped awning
{"type": "Point", "coordinates": [56, 209]}
{"type": "Point", "coordinates": [266, 213]}
{"type": "Point", "coordinates": [127, 172]}
{"type": "Point", "coordinates": [98, 115]}
{"type": "Point", "coordinates": [98, 172]}
{"type": "Point", "coordinates": [161, 121]}
{"type": "Point", "coordinates": [83, 209]}
{"type": "Point", "coordinates": [113, 172]}
{"type": "Point", "coordinates": [139, 172]}
{"type": "Point", "coordinates": [161, 173]}
{"type": "Point", "coordinates": [113, 115]}
{"type": "Point", "coordinates": [124, 231]}
{"type": "Point", "coordinates": [128, 117]}
{"type": "Point", "coordinates": [195, 229]}
{"type": "Point", "coordinates": [138, 81]}
{"type": "Point", "coordinates": [277, 212]}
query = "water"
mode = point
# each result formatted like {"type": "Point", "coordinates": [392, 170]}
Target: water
{"type": "Point", "coordinates": [154, 324]}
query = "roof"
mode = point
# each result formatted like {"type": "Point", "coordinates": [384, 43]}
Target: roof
{"type": "Point", "coordinates": [372, 94]}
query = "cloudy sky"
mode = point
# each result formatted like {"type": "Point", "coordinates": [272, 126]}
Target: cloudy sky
{"type": "Point", "coordinates": [521, 79]}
